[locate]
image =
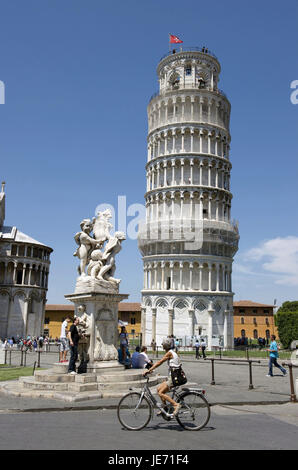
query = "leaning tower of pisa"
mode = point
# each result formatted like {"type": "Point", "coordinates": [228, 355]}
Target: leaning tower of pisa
{"type": "Point", "coordinates": [188, 240]}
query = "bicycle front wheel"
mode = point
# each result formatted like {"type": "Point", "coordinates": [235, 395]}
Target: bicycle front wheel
{"type": "Point", "coordinates": [134, 411]}
{"type": "Point", "coordinates": [194, 413]}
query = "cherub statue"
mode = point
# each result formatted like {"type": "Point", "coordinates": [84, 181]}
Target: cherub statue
{"type": "Point", "coordinates": [112, 247]}
{"type": "Point", "coordinates": [86, 244]}
{"type": "Point", "coordinates": [102, 226]}
{"type": "Point", "coordinates": [99, 261]}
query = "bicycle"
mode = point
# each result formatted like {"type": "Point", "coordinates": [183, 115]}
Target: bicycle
{"type": "Point", "coordinates": [135, 409]}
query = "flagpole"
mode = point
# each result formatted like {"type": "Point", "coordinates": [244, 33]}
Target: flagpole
{"type": "Point", "coordinates": [169, 43]}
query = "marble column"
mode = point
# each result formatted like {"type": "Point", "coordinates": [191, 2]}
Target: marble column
{"type": "Point", "coordinates": [182, 172]}
{"type": "Point", "coordinates": [153, 311]}
{"type": "Point", "coordinates": [200, 277]}
{"type": "Point", "coordinates": [190, 275]}
{"type": "Point", "coordinates": [143, 325]}
{"type": "Point", "coordinates": [165, 183]}
{"type": "Point", "coordinates": [191, 322]}
{"type": "Point", "coordinates": [171, 321]}
{"type": "Point", "coordinates": [23, 275]}
{"type": "Point", "coordinates": [171, 274]}
{"type": "Point", "coordinates": [173, 172]}
{"type": "Point", "coordinates": [225, 332]}
{"type": "Point", "coordinates": [210, 327]}
{"type": "Point", "coordinates": [182, 139]}
{"type": "Point", "coordinates": [191, 170]}
{"type": "Point", "coordinates": [163, 276]}
{"type": "Point", "coordinates": [217, 277]}
{"type": "Point", "coordinates": [180, 276]}
{"type": "Point", "coordinates": [26, 305]}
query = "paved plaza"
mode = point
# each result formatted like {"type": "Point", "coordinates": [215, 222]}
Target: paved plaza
{"type": "Point", "coordinates": [237, 427]}
{"type": "Point", "coordinates": [241, 418]}
{"type": "Point", "coordinates": [231, 384]}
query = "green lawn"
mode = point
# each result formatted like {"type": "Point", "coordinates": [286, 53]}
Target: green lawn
{"type": "Point", "coordinates": [253, 354]}
{"type": "Point", "coordinates": [13, 373]}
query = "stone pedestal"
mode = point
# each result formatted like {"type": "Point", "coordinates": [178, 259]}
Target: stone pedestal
{"type": "Point", "coordinates": [99, 310]}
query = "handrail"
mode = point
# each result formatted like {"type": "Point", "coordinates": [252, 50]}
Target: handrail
{"type": "Point", "coordinates": [203, 50]}
{"type": "Point", "coordinates": [249, 361]}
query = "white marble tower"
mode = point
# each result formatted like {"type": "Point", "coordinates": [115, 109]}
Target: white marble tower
{"type": "Point", "coordinates": [188, 241]}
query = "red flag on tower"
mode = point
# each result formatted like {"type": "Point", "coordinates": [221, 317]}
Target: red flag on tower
{"type": "Point", "coordinates": [174, 39]}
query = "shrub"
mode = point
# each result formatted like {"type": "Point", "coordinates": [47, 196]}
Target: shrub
{"type": "Point", "coordinates": [287, 323]}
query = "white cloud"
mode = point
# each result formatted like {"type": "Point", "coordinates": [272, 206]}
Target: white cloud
{"type": "Point", "coordinates": [279, 256]}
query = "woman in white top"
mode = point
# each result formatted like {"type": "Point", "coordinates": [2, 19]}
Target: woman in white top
{"type": "Point", "coordinates": [173, 362]}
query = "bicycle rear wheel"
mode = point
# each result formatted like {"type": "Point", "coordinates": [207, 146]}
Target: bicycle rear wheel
{"type": "Point", "coordinates": [194, 413]}
{"type": "Point", "coordinates": [133, 413]}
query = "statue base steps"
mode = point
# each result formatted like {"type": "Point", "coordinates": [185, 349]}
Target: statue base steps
{"type": "Point", "coordinates": [56, 383]}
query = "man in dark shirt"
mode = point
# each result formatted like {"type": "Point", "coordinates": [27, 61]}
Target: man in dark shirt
{"type": "Point", "coordinates": [73, 336]}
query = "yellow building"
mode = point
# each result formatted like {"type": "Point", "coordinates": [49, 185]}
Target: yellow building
{"type": "Point", "coordinates": [129, 313]}
{"type": "Point", "coordinates": [253, 320]}
{"type": "Point", "coordinates": [54, 316]}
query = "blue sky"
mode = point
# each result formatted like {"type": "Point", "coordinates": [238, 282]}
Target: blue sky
{"type": "Point", "coordinates": [78, 76]}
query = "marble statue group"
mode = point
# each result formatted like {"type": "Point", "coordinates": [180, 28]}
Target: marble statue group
{"type": "Point", "coordinates": [96, 295]}
{"type": "Point", "coordinates": [97, 248]}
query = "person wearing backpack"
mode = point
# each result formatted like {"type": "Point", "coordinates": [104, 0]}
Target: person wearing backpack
{"type": "Point", "coordinates": [174, 363]}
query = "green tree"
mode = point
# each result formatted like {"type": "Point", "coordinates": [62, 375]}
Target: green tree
{"type": "Point", "coordinates": [287, 323]}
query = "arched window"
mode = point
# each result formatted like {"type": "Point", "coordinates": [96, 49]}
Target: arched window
{"type": "Point", "coordinates": [174, 80]}
{"type": "Point", "coordinates": [2, 272]}
{"type": "Point", "coordinates": [242, 320]}
{"type": "Point", "coordinates": [267, 333]}
{"type": "Point", "coordinates": [188, 69]}
{"type": "Point", "coordinates": [243, 333]}
{"type": "Point", "coordinates": [21, 251]}
{"type": "Point", "coordinates": [19, 274]}
{"type": "Point", "coordinates": [255, 334]}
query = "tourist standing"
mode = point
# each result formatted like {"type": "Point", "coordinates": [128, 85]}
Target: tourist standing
{"type": "Point", "coordinates": [63, 340]}
{"type": "Point", "coordinates": [73, 336]}
{"type": "Point", "coordinates": [40, 342]}
{"type": "Point", "coordinates": [197, 346]}
{"type": "Point", "coordinates": [123, 338]}
{"type": "Point", "coordinates": [273, 349]}
{"type": "Point", "coordinates": [203, 347]}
